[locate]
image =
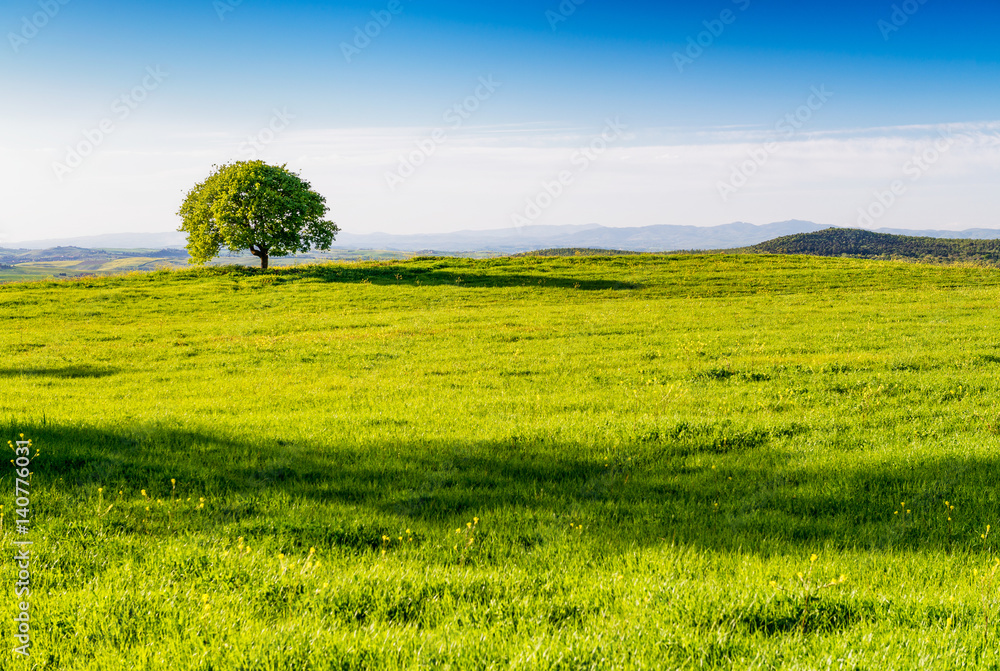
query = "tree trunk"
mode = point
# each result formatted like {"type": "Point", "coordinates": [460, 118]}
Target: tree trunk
{"type": "Point", "coordinates": [261, 252]}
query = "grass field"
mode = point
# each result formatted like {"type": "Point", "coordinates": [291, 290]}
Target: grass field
{"type": "Point", "coordinates": [556, 463]}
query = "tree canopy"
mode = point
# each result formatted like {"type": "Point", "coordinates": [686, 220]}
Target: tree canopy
{"type": "Point", "coordinates": [250, 205]}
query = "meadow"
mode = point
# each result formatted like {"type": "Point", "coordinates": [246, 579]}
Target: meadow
{"type": "Point", "coordinates": [648, 462]}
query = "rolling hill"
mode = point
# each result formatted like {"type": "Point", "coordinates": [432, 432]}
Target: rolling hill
{"type": "Point", "coordinates": [859, 243]}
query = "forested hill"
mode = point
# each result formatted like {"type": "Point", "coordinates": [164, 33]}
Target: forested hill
{"type": "Point", "coordinates": [867, 244]}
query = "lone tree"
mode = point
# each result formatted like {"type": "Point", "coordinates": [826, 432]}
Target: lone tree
{"type": "Point", "coordinates": [252, 205]}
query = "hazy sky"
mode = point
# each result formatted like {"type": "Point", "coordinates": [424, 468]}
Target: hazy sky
{"type": "Point", "coordinates": [437, 115]}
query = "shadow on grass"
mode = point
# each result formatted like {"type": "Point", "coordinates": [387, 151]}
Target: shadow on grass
{"type": "Point", "coordinates": [660, 489]}
{"type": "Point", "coordinates": [450, 272]}
{"type": "Point", "coordinates": [64, 372]}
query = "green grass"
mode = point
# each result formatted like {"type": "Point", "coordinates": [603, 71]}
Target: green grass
{"type": "Point", "coordinates": [648, 451]}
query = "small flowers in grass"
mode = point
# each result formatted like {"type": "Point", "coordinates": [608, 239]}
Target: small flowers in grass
{"type": "Point", "coordinates": [809, 588]}
{"type": "Point", "coordinates": [947, 511]}
{"type": "Point", "coordinates": [101, 510]}
{"type": "Point", "coordinates": [469, 533]}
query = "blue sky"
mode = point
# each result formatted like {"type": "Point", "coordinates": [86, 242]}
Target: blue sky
{"type": "Point", "coordinates": [899, 75]}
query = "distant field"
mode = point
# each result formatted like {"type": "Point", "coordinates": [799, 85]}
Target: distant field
{"type": "Point", "coordinates": [57, 269]}
{"type": "Point", "coordinates": [100, 265]}
{"type": "Point", "coordinates": [652, 462]}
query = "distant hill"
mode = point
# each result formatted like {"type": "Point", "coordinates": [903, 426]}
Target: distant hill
{"type": "Point", "coordinates": [577, 251]}
{"type": "Point", "coordinates": [110, 241]}
{"type": "Point", "coordinates": [971, 233]}
{"type": "Point", "coordinates": [508, 240]}
{"type": "Point", "coordinates": [53, 254]}
{"type": "Point", "coordinates": [513, 240]}
{"type": "Point", "coordinates": [530, 238]}
{"type": "Point", "coordinates": [869, 244]}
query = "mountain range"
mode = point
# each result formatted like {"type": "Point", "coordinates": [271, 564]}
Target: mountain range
{"type": "Point", "coordinates": [528, 238]}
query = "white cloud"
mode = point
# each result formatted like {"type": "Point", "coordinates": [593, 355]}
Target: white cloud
{"type": "Point", "coordinates": [480, 176]}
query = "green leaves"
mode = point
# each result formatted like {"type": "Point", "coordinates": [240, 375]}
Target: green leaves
{"type": "Point", "coordinates": [250, 205]}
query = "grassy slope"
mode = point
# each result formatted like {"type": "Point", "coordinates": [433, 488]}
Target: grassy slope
{"type": "Point", "coordinates": [646, 443]}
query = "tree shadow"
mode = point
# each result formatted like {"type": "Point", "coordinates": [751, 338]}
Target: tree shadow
{"type": "Point", "coordinates": [652, 493]}
{"type": "Point", "coordinates": [64, 372]}
{"type": "Point", "coordinates": [472, 277]}
{"type": "Point", "coordinates": [437, 273]}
